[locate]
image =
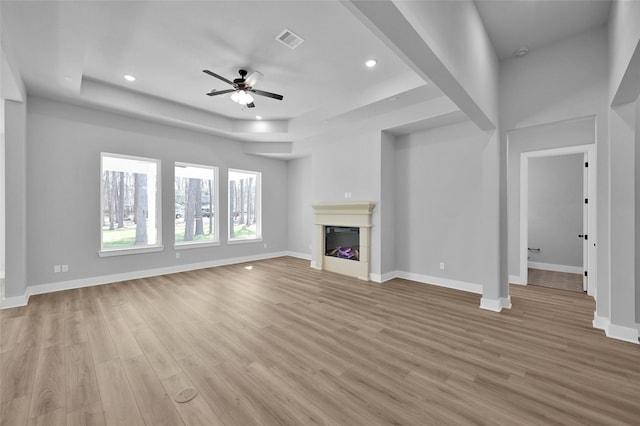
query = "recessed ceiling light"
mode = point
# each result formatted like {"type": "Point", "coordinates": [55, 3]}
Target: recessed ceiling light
{"type": "Point", "coordinates": [521, 52]}
{"type": "Point", "coordinates": [258, 117]}
{"type": "Point", "coordinates": [371, 63]}
{"type": "Point", "coordinates": [129, 77]}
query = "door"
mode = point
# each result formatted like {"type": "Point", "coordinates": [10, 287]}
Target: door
{"type": "Point", "coordinates": [585, 223]}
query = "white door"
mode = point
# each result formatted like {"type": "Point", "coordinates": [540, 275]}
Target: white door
{"type": "Point", "coordinates": [585, 224]}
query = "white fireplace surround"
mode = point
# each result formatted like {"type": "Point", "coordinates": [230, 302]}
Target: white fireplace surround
{"type": "Point", "coordinates": [357, 215]}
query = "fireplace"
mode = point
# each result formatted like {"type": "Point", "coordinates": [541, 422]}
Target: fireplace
{"type": "Point", "coordinates": [342, 242]}
{"type": "Point", "coordinates": [343, 234]}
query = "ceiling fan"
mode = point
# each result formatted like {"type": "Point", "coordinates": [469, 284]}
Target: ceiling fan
{"type": "Point", "coordinates": [242, 87]}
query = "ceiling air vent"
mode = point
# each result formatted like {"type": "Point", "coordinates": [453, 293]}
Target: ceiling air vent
{"type": "Point", "coordinates": [289, 39]}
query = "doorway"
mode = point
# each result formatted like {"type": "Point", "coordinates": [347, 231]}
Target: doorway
{"type": "Point", "coordinates": [557, 210]}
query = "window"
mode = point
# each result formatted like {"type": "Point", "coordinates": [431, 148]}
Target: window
{"type": "Point", "coordinates": [244, 205]}
{"type": "Point", "coordinates": [196, 214]}
{"type": "Point", "coordinates": [130, 200]}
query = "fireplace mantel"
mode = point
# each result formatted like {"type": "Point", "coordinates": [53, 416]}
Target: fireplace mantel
{"type": "Point", "coordinates": [350, 214]}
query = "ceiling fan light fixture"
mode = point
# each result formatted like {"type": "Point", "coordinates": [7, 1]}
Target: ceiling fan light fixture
{"type": "Point", "coordinates": [242, 97]}
{"type": "Point", "coordinates": [239, 93]}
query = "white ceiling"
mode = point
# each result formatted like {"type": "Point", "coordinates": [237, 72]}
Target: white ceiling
{"type": "Point", "coordinates": [80, 50]}
{"type": "Point", "coordinates": [166, 45]}
{"type": "Point", "coordinates": [534, 23]}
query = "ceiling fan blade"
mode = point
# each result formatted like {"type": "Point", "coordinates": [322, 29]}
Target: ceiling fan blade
{"type": "Point", "coordinates": [253, 78]}
{"type": "Point", "coordinates": [220, 92]}
{"type": "Point", "coordinates": [251, 105]}
{"type": "Point", "coordinates": [213, 74]}
{"type": "Point", "coordinates": [267, 94]}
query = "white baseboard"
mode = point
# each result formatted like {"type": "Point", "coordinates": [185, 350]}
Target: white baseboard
{"type": "Point", "coordinates": [601, 323]}
{"type": "Point", "coordinates": [14, 302]}
{"type": "Point", "coordinates": [495, 305]}
{"type": "Point", "coordinates": [556, 268]}
{"type": "Point", "coordinates": [441, 282]}
{"type": "Point", "coordinates": [380, 278]}
{"type": "Point", "coordinates": [627, 334]}
{"type": "Point", "coordinates": [314, 265]}
{"type": "Point", "coordinates": [107, 279]}
{"type": "Point", "coordinates": [305, 256]}
{"type": "Point", "coordinates": [613, 331]}
{"type": "Point", "coordinates": [516, 279]}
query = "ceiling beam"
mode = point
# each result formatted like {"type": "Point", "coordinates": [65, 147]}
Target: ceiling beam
{"type": "Point", "coordinates": [390, 25]}
{"type": "Point", "coordinates": [629, 88]}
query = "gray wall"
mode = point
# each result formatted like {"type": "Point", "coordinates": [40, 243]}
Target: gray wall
{"type": "Point", "coordinates": [63, 157]}
{"type": "Point", "coordinates": [16, 194]}
{"type": "Point", "coordinates": [637, 210]}
{"type": "Point", "coordinates": [555, 209]}
{"type": "Point", "coordinates": [440, 202]}
{"type": "Point", "coordinates": [388, 203]}
{"type": "Point", "coordinates": [351, 164]}
{"type": "Point", "coordinates": [300, 213]}
{"type": "Point", "coordinates": [623, 215]}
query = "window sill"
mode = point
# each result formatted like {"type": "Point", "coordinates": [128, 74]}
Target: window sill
{"type": "Point", "coordinates": [187, 246]}
{"type": "Point", "coordinates": [129, 251]}
{"type": "Point", "coordinates": [245, 241]}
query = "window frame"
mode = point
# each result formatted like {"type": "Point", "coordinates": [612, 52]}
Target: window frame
{"type": "Point", "coordinates": [149, 248]}
{"type": "Point", "coordinates": [258, 204]}
{"type": "Point", "coordinates": [216, 208]}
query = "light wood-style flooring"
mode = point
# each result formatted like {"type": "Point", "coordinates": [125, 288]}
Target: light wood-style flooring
{"type": "Point", "coordinates": [557, 280]}
{"type": "Point", "coordinates": [284, 344]}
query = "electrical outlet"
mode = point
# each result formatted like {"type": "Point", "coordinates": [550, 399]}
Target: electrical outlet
{"type": "Point", "coordinates": [56, 268]}
{"type": "Point", "coordinates": [265, 245]}
{"type": "Point", "coordinates": [177, 255]}
{"type": "Point", "coordinates": [65, 268]}
{"type": "Point", "coordinates": [346, 195]}
{"type": "Point", "coordinates": [441, 265]}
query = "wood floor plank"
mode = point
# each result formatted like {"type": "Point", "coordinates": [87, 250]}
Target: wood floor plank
{"type": "Point", "coordinates": [54, 330]}
{"type": "Point", "coordinates": [52, 418]}
{"type": "Point", "coordinates": [118, 402]}
{"type": "Point", "coordinates": [173, 339]}
{"type": "Point", "coordinates": [196, 412]}
{"type": "Point", "coordinates": [153, 401]}
{"type": "Point", "coordinates": [18, 370]}
{"type": "Point", "coordinates": [123, 338]}
{"type": "Point", "coordinates": [49, 386]}
{"type": "Point", "coordinates": [132, 316]}
{"type": "Point", "coordinates": [102, 347]}
{"type": "Point", "coordinates": [10, 332]}
{"type": "Point", "coordinates": [157, 354]}
{"type": "Point", "coordinates": [283, 344]}
{"type": "Point", "coordinates": [81, 382]}
{"type": "Point", "coordinates": [222, 398]}
{"type": "Point", "coordinates": [75, 328]}
{"type": "Point", "coordinates": [90, 415]}
{"type": "Point", "coordinates": [15, 412]}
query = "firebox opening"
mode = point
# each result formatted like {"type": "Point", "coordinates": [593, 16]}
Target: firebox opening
{"type": "Point", "coordinates": [342, 242]}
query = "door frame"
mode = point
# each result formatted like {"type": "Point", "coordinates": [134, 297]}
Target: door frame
{"type": "Point", "coordinates": [589, 152]}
